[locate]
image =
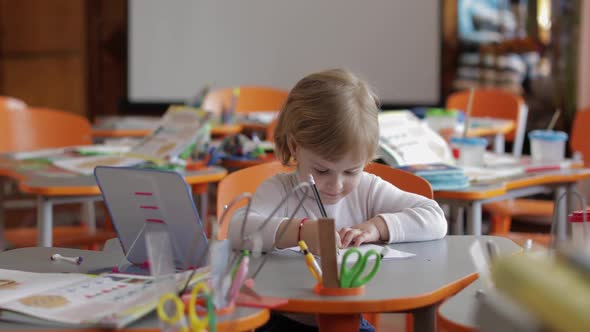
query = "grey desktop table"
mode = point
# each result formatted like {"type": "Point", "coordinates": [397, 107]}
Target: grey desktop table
{"type": "Point", "coordinates": [475, 196]}
{"type": "Point", "coordinates": [37, 260]}
{"type": "Point", "coordinates": [458, 312]}
{"type": "Point", "coordinates": [416, 285]}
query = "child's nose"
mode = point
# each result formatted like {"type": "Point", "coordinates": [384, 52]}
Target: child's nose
{"type": "Point", "coordinates": [335, 183]}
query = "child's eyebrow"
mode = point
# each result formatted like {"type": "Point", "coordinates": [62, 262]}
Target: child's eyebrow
{"type": "Point", "coordinates": [318, 165]}
{"type": "Point", "coordinates": [354, 168]}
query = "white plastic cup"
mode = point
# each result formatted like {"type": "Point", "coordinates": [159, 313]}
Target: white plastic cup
{"type": "Point", "coordinates": [580, 229]}
{"type": "Point", "coordinates": [441, 120]}
{"type": "Point", "coordinates": [547, 145]}
{"type": "Point", "coordinates": [470, 150]}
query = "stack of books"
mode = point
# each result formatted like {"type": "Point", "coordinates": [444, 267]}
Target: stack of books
{"type": "Point", "coordinates": [441, 176]}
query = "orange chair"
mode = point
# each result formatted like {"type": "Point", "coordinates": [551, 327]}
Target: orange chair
{"type": "Point", "coordinates": [40, 128]}
{"type": "Point", "coordinates": [502, 212]}
{"type": "Point", "coordinates": [498, 104]}
{"type": "Point", "coordinates": [11, 103]}
{"type": "Point", "coordinates": [248, 179]}
{"type": "Point", "coordinates": [270, 130]}
{"type": "Point", "coordinates": [251, 99]}
{"type": "Point", "coordinates": [240, 181]}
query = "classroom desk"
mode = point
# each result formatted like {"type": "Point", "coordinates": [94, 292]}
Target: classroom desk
{"type": "Point", "coordinates": [473, 197]}
{"type": "Point", "coordinates": [458, 312]}
{"type": "Point", "coordinates": [141, 126]}
{"type": "Point", "coordinates": [491, 127]}
{"type": "Point", "coordinates": [52, 185]}
{"type": "Point", "coordinates": [37, 260]}
{"type": "Point", "coordinates": [440, 269]}
{"type": "Point", "coordinates": [235, 164]}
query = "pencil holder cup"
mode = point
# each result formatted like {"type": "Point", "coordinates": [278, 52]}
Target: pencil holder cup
{"type": "Point", "coordinates": [195, 165]}
{"type": "Point", "coordinates": [547, 145]}
{"type": "Point", "coordinates": [470, 150]}
{"type": "Point", "coordinates": [578, 220]}
{"type": "Point", "coordinates": [321, 290]}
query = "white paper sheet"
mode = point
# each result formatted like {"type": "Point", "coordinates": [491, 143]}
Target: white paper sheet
{"type": "Point", "coordinates": [391, 254]}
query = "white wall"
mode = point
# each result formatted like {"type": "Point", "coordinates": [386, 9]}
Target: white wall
{"type": "Point", "coordinates": [177, 46]}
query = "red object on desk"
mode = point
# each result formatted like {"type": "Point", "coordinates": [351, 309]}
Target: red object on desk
{"type": "Point", "coordinates": [264, 301]}
{"type": "Point", "coordinates": [254, 300]}
{"type": "Point", "coordinates": [542, 168]}
{"type": "Point", "coordinates": [455, 152]}
{"type": "Point", "coordinates": [578, 216]}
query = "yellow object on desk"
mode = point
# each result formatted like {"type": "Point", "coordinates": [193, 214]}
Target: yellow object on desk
{"type": "Point", "coordinates": [178, 320]}
{"type": "Point", "coordinates": [312, 264]}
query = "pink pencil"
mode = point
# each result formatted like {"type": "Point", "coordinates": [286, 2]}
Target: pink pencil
{"type": "Point", "coordinates": [239, 279]}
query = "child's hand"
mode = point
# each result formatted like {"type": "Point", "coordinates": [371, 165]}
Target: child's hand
{"type": "Point", "coordinates": [371, 230]}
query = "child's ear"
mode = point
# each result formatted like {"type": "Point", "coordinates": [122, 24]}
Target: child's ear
{"type": "Point", "coordinates": [292, 146]}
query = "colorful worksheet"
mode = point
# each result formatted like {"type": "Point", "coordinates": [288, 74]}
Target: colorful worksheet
{"type": "Point", "coordinates": [109, 301]}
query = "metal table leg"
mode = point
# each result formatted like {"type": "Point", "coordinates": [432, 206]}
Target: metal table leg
{"type": "Point", "coordinates": [474, 212]}
{"type": "Point", "coordinates": [456, 216]}
{"type": "Point", "coordinates": [44, 222]}
{"type": "Point", "coordinates": [425, 319]}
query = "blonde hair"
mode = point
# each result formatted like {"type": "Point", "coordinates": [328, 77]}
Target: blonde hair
{"type": "Point", "coordinates": [331, 113]}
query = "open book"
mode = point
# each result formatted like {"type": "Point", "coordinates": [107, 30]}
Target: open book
{"type": "Point", "coordinates": [405, 140]}
{"type": "Point", "coordinates": [74, 299]}
{"type": "Point", "coordinates": [178, 130]}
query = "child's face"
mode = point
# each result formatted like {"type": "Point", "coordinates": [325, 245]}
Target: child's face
{"type": "Point", "coordinates": [334, 179]}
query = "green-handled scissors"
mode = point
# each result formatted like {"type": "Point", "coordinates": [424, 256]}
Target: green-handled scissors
{"type": "Point", "coordinates": [351, 277]}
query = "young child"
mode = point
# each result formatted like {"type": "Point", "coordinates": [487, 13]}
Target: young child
{"type": "Point", "coordinates": [329, 128]}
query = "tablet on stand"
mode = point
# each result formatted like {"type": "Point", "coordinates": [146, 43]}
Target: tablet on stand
{"type": "Point", "coordinates": [140, 199]}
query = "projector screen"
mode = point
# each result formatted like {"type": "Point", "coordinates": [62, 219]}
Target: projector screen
{"type": "Point", "coordinates": [178, 46]}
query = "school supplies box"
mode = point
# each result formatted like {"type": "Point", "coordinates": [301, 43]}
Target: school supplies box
{"type": "Point", "coordinates": [73, 299]}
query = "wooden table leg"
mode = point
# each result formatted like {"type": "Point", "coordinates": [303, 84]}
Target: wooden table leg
{"type": "Point", "coordinates": [339, 322]}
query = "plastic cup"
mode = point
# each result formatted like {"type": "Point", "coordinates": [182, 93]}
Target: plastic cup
{"type": "Point", "coordinates": [547, 145]}
{"type": "Point", "coordinates": [441, 120]}
{"type": "Point", "coordinates": [470, 150]}
{"type": "Point", "coordinates": [580, 229]}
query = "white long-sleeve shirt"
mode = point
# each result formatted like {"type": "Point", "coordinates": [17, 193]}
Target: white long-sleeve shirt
{"type": "Point", "coordinates": [409, 217]}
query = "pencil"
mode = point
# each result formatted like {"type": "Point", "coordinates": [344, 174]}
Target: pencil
{"type": "Point", "coordinates": [317, 197]}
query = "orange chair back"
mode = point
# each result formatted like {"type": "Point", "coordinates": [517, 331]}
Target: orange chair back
{"type": "Point", "coordinates": [251, 99]}
{"type": "Point", "coordinates": [405, 181]}
{"type": "Point", "coordinates": [243, 180]}
{"type": "Point", "coordinates": [492, 103]}
{"type": "Point", "coordinates": [248, 180]}
{"type": "Point", "coordinates": [10, 103]}
{"type": "Point", "coordinates": [580, 140]}
{"type": "Point", "coordinates": [41, 128]}
{"type": "Point", "coordinates": [270, 130]}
